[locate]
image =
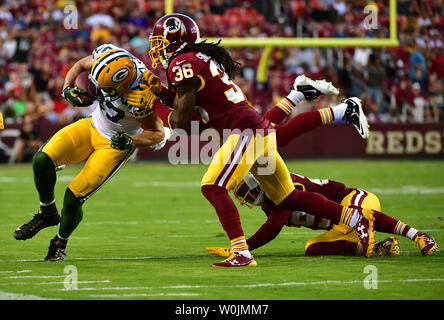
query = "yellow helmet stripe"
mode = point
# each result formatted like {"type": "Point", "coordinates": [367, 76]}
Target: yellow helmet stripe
{"type": "Point", "coordinates": [103, 62]}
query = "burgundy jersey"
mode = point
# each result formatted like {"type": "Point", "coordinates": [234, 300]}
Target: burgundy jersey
{"type": "Point", "coordinates": [221, 103]}
{"type": "Point", "coordinates": [332, 190]}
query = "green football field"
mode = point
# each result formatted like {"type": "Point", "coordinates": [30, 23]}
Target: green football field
{"type": "Point", "coordinates": [143, 236]}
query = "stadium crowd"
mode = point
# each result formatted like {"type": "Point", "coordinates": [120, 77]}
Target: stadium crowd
{"type": "Point", "coordinates": [41, 39]}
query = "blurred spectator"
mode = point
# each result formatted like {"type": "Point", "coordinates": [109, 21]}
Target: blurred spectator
{"type": "Point", "coordinates": [435, 112]}
{"type": "Point", "coordinates": [418, 66]}
{"type": "Point", "coordinates": [36, 51]}
{"type": "Point", "coordinates": [415, 112]}
{"type": "Point", "coordinates": [376, 76]}
{"type": "Point", "coordinates": [29, 140]}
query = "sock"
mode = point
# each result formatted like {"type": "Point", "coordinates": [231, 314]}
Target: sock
{"type": "Point", "coordinates": [239, 245]}
{"type": "Point", "coordinates": [327, 115]}
{"type": "Point", "coordinates": [45, 204]}
{"type": "Point", "coordinates": [296, 126]}
{"type": "Point", "coordinates": [387, 224]}
{"type": "Point", "coordinates": [284, 107]}
{"type": "Point", "coordinates": [72, 214]}
{"type": "Point", "coordinates": [405, 230]}
{"type": "Point", "coordinates": [63, 240]}
{"type": "Point", "coordinates": [226, 210]}
{"type": "Point", "coordinates": [349, 216]}
{"type": "Point", "coordinates": [44, 176]}
{"type": "Point", "coordinates": [339, 111]}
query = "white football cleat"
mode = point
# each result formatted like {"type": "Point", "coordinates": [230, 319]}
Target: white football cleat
{"type": "Point", "coordinates": [354, 115]}
{"type": "Point", "coordinates": [314, 88]}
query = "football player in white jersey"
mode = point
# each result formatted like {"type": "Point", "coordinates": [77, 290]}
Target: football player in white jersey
{"type": "Point", "coordinates": [105, 141]}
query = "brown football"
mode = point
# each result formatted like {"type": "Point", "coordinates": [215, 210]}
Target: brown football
{"type": "Point", "coordinates": [82, 81]}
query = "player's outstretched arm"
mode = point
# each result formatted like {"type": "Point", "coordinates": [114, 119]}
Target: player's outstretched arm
{"type": "Point", "coordinates": [267, 232]}
{"type": "Point", "coordinates": [82, 65]}
{"type": "Point", "coordinates": [270, 229]}
{"type": "Point", "coordinates": [70, 92]}
{"type": "Point", "coordinates": [153, 132]}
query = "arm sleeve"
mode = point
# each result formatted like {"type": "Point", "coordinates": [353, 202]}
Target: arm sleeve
{"type": "Point", "coordinates": [167, 96]}
{"type": "Point", "coordinates": [270, 229]}
{"type": "Point", "coordinates": [162, 111]}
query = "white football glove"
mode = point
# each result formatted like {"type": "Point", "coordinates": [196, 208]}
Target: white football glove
{"type": "Point", "coordinates": [161, 144]}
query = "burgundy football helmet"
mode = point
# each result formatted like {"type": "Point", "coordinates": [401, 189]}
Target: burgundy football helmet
{"type": "Point", "coordinates": [171, 33]}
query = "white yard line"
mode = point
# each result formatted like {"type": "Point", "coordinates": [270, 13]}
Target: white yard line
{"type": "Point", "coordinates": [254, 285]}
{"type": "Point", "coordinates": [194, 184]}
{"type": "Point", "coordinates": [32, 277]}
{"type": "Point", "coordinates": [20, 296]}
{"type": "Point", "coordinates": [52, 283]}
{"type": "Point", "coordinates": [132, 295]}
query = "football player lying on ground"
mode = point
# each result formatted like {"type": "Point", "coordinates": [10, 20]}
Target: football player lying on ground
{"type": "Point", "coordinates": [105, 141]}
{"type": "Point", "coordinates": [202, 75]}
{"type": "Point", "coordinates": [340, 239]}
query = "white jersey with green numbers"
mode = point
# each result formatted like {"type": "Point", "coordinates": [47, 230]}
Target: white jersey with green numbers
{"type": "Point", "coordinates": [114, 115]}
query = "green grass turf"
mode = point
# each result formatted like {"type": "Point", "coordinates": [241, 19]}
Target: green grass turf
{"type": "Point", "coordinates": [143, 236]}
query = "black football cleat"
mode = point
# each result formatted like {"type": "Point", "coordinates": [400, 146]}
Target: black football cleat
{"type": "Point", "coordinates": [41, 220]}
{"type": "Point", "coordinates": [56, 250]}
{"type": "Point", "coordinates": [355, 116]}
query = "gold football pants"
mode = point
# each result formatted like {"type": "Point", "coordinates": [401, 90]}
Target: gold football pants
{"type": "Point", "coordinates": [81, 141]}
{"type": "Point", "coordinates": [253, 153]}
{"type": "Point", "coordinates": [357, 197]}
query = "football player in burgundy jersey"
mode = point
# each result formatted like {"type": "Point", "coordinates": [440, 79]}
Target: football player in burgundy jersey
{"type": "Point", "coordinates": [201, 74]}
{"type": "Point", "coordinates": [340, 239]}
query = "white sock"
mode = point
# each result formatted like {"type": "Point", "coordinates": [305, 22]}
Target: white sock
{"type": "Point", "coordinates": [339, 111]}
{"type": "Point", "coordinates": [295, 96]}
{"type": "Point", "coordinates": [45, 204]}
{"type": "Point", "coordinates": [245, 253]}
{"type": "Point", "coordinates": [61, 238]}
{"type": "Point", "coordinates": [354, 218]}
{"type": "Point", "coordinates": [411, 233]}
{"type": "Point", "coordinates": [350, 216]}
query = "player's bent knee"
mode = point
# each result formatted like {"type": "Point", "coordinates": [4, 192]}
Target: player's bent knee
{"type": "Point", "coordinates": [209, 190]}
{"type": "Point", "coordinates": [42, 161]}
{"type": "Point", "coordinates": [71, 200]}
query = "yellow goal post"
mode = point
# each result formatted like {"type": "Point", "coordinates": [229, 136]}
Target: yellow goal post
{"type": "Point", "coordinates": [269, 43]}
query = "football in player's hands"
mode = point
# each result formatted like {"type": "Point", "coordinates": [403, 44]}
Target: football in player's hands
{"type": "Point", "coordinates": [79, 95]}
{"type": "Point", "coordinates": [82, 81]}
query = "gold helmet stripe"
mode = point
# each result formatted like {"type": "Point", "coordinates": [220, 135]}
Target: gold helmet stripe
{"type": "Point", "coordinates": [102, 62]}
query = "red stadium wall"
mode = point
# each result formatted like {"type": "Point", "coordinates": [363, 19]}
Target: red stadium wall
{"type": "Point", "coordinates": [386, 141]}
{"type": "Point", "coordinates": [342, 141]}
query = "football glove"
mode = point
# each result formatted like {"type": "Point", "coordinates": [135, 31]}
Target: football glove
{"type": "Point", "coordinates": [219, 251]}
{"type": "Point", "coordinates": [153, 81]}
{"type": "Point", "coordinates": [121, 141]}
{"type": "Point", "coordinates": [160, 145]}
{"type": "Point", "coordinates": [72, 95]}
{"type": "Point", "coordinates": [140, 98]}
